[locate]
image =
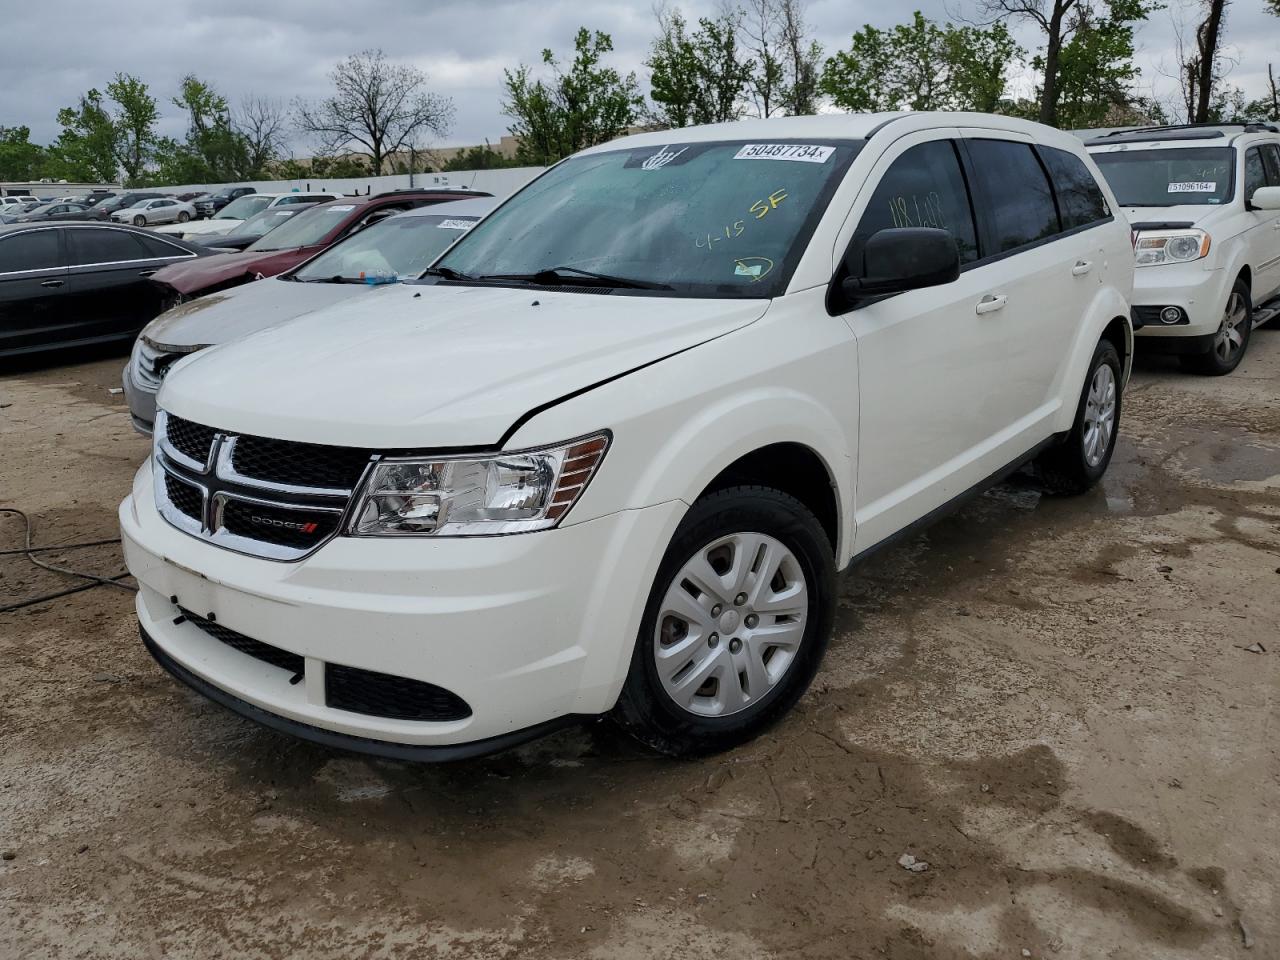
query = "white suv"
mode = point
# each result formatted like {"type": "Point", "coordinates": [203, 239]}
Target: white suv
{"type": "Point", "coordinates": [610, 456]}
{"type": "Point", "coordinates": [1204, 204]}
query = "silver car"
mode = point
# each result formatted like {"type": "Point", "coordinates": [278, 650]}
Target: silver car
{"type": "Point", "coordinates": [388, 251]}
{"type": "Point", "coordinates": [157, 210]}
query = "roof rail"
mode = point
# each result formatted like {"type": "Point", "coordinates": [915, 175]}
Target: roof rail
{"type": "Point", "coordinates": [432, 189]}
{"type": "Point", "coordinates": [1246, 126]}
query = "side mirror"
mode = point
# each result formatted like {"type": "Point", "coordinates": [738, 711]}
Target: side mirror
{"type": "Point", "coordinates": [899, 259]}
{"type": "Point", "coordinates": [1265, 198]}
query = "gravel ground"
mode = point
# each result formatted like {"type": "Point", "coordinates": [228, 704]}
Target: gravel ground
{"type": "Point", "coordinates": [1052, 703]}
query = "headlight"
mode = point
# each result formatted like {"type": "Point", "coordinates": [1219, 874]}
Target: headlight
{"type": "Point", "coordinates": [476, 496]}
{"type": "Point", "coordinates": [1181, 247]}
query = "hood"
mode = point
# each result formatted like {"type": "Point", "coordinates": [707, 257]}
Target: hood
{"type": "Point", "coordinates": [198, 227]}
{"type": "Point", "coordinates": [417, 365]}
{"type": "Point", "coordinates": [240, 311]}
{"type": "Point", "coordinates": [1184, 215]}
{"type": "Point", "coordinates": [192, 276]}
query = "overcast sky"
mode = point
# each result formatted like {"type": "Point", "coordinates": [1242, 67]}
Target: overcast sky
{"type": "Point", "coordinates": [286, 48]}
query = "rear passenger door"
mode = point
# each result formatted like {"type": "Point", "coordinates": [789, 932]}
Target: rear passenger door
{"type": "Point", "coordinates": [32, 290]}
{"type": "Point", "coordinates": [1042, 276]}
{"type": "Point", "coordinates": [108, 285]}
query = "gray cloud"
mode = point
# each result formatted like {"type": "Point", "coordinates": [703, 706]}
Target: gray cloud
{"type": "Point", "coordinates": [285, 48]}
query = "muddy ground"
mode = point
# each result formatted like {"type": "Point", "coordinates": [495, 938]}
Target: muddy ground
{"type": "Point", "coordinates": [1049, 701]}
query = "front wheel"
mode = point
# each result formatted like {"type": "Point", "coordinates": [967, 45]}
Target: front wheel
{"type": "Point", "coordinates": [736, 623]}
{"type": "Point", "coordinates": [1232, 338]}
{"type": "Point", "coordinates": [1079, 462]}
{"type": "Point", "coordinates": [183, 216]}
{"type": "Point", "coordinates": [139, 221]}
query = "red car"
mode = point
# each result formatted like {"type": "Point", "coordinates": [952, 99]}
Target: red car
{"type": "Point", "coordinates": [297, 240]}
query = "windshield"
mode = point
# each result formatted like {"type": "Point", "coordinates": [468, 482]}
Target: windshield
{"type": "Point", "coordinates": [712, 219]}
{"type": "Point", "coordinates": [264, 222]}
{"type": "Point", "coordinates": [1194, 176]}
{"type": "Point", "coordinates": [403, 246]}
{"type": "Point", "coordinates": [243, 208]}
{"type": "Point", "coordinates": [310, 226]}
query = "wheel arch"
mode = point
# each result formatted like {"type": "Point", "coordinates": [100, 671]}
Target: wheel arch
{"type": "Point", "coordinates": [1107, 318]}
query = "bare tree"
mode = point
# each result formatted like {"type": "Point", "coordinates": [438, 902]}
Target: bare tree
{"type": "Point", "coordinates": [381, 106]}
{"type": "Point", "coordinates": [786, 59]}
{"type": "Point", "coordinates": [261, 122]}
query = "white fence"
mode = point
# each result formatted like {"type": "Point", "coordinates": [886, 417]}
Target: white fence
{"type": "Point", "coordinates": [500, 183]}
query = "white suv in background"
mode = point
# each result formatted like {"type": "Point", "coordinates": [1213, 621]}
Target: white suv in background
{"type": "Point", "coordinates": [610, 454]}
{"type": "Point", "coordinates": [239, 210]}
{"type": "Point", "coordinates": [1204, 204]}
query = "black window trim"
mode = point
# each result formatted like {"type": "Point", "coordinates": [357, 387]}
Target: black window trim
{"type": "Point", "coordinates": [1272, 148]}
{"type": "Point", "coordinates": [986, 239]}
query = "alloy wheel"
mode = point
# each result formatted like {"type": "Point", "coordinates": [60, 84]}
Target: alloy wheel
{"type": "Point", "coordinates": [731, 624]}
{"type": "Point", "coordinates": [1099, 415]}
{"type": "Point", "coordinates": [1231, 334]}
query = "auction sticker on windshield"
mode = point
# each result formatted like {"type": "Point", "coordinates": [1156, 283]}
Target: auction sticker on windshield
{"type": "Point", "coordinates": [1196, 186]}
{"type": "Point", "coordinates": [803, 152]}
{"type": "Point", "coordinates": [455, 224]}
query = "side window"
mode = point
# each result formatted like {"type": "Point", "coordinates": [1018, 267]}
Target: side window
{"type": "Point", "coordinates": [36, 250]}
{"type": "Point", "coordinates": [157, 249]}
{"type": "Point", "coordinates": [1019, 203]}
{"type": "Point", "coordinates": [1271, 160]}
{"type": "Point", "coordinates": [89, 246]}
{"type": "Point", "coordinates": [922, 188]}
{"type": "Point", "coordinates": [1255, 174]}
{"type": "Point", "coordinates": [1080, 199]}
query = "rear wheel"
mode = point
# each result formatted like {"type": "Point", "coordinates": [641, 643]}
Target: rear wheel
{"type": "Point", "coordinates": [139, 221]}
{"type": "Point", "coordinates": [1232, 338]}
{"type": "Point", "coordinates": [735, 626]}
{"type": "Point", "coordinates": [1079, 462]}
{"type": "Point", "coordinates": [183, 216]}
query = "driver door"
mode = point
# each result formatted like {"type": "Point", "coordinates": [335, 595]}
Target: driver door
{"type": "Point", "coordinates": [931, 362]}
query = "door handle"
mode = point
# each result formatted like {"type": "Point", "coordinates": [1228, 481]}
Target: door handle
{"type": "Point", "coordinates": [1081, 268]}
{"type": "Point", "coordinates": [145, 273]}
{"type": "Point", "coordinates": [991, 303]}
{"type": "Point", "coordinates": [51, 283]}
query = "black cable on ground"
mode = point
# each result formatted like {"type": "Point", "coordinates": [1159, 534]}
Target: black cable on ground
{"type": "Point", "coordinates": [29, 552]}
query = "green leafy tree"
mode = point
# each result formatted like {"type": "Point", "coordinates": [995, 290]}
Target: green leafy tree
{"type": "Point", "coordinates": [213, 151]}
{"type": "Point", "coordinates": [479, 158]}
{"type": "Point", "coordinates": [135, 123]}
{"type": "Point", "coordinates": [1096, 70]}
{"type": "Point", "coordinates": [20, 159]}
{"type": "Point", "coordinates": [922, 66]}
{"type": "Point", "coordinates": [697, 77]}
{"type": "Point", "coordinates": [585, 105]}
{"type": "Point", "coordinates": [86, 149]}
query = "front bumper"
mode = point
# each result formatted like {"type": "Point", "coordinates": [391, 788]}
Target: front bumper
{"type": "Point", "coordinates": [141, 401]}
{"type": "Point", "coordinates": [1200, 293]}
{"type": "Point", "coordinates": [526, 629]}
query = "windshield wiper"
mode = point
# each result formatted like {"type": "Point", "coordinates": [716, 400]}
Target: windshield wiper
{"type": "Point", "coordinates": [448, 273]}
{"type": "Point", "coordinates": [558, 276]}
{"type": "Point", "coordinates": [336, 278]}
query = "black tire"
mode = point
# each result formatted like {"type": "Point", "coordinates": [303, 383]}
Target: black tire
{"type": "Point", "coordinates": [139, 221]}
{"type": "Point", "coordinates": [1066, 468]}
{"type": "Point", "coordinates": [183, 216]}
{"type": "Point", "coordinates": [1212, 362]}
{"type": "Point", "coordinates": [645, 709]}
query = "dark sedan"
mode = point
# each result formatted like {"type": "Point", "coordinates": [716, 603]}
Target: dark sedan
{"type": "Point", "coordinates": [68, 284]}
{"type": "Point", "coordinates": [60, 211]}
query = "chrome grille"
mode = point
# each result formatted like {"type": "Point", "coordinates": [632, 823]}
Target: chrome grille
{"type": "Point", "coordinates": [282, 502]}
{"type": "Point", "coordinates": [153, 364]}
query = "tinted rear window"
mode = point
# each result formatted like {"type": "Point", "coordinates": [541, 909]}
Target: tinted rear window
{"type": "Point", "coordinates": [1019, 201]}
{"type": "Point", "coordinates": [102, 246]}
{"type": "Point", "coordinates": [1080, 199]}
